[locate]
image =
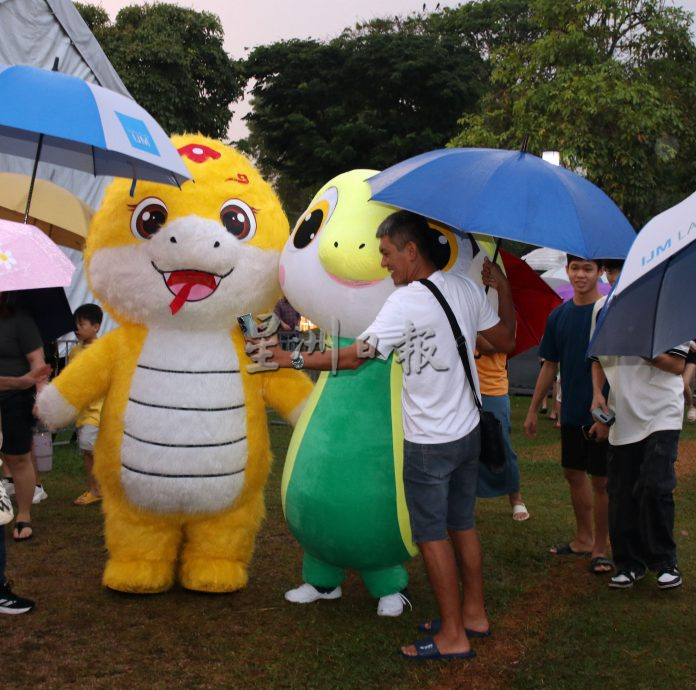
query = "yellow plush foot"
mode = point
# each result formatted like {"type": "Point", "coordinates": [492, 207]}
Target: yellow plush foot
{"type": "Point", "coordinates": [216, 575]}
{"type": "Point", "coordinates": [138, 577]}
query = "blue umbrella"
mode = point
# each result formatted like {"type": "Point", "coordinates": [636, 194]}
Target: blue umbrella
{"type": "Point", "coordinates": [651, 308]}
{"type": "Point", "coordinates": [508, 194]}
{"type": "Point", "coordinates": [61, 119]}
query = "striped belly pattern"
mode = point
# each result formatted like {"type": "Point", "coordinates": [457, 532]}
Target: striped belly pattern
{"type": "Point", "coordinates": [184, 445]}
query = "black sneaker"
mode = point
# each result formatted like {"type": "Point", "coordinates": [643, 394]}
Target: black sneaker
{"type": "Point", "coordinates": [624, 579]}
{"type": "Point", "coordinates": [668, 578]}
{"type": "Point", "coordinates": [11, 603]}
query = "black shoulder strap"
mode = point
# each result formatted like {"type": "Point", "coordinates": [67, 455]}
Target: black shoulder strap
{"type": "Point", "coordinates": [458, 336]}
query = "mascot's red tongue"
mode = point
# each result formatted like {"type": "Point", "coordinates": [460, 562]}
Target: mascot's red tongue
{"type": "Point", "coordinates": [189, 286]}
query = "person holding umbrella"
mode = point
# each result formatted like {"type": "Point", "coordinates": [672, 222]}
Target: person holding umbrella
{"type": "Point", "coordinates": [440, 418]}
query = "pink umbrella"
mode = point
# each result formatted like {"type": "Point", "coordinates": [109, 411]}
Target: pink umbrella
{"type": "Point", "coordinates": [29, 259]}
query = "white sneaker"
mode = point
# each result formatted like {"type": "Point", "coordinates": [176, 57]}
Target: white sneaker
{"type": "Point", "coordinates": [392, 605]}
{"type": "Point", "coordinates": [691, 414]}
{"type": "Point", "coordinates": [39, 494]}
{"type": "Point", "coordinates": [306, 594]}
{"type": "Point", "coordinates": [9, 486]}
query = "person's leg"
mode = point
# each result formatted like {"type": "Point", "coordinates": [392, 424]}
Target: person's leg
{"type": "Point", "coordinates": [441, 567]}
{"type": "Point", "coordinates": [88, 459]}
{"type": "Point", "coordinates": [600, 516]}
{"type": "Point", "coordinates": [3, 555]}
{"type": "Point", "coordinates": [433, 475]}
{"type": "Point", "coordinates": [467, 546]}
{"type": "Point", "coordinates": [24, 478]}
{"type": "Point", "coordinates": [581, 500]}
{"type": "Point", "coordinates": [626, 543]}
{"type": "Point", "coordinates": [654, 491]}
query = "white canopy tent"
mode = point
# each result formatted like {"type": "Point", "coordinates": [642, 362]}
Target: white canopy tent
{"type": "Point", "coordinates": [35, 32]}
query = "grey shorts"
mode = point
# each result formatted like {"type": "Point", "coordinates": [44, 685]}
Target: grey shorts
{"type": "Point", "coordinates": [440, 486]}
{"type": "Point", "coordinates": [86, 436]}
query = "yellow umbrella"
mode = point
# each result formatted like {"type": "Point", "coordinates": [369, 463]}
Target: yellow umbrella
{"type": "Point", "coordinates": [58, 212]}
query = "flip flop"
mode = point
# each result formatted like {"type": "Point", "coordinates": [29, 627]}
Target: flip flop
{"type": "Point", "coordinates": [18, 527]}
{"type": "Point", "coordinates": [435, 624]}
{"type": "Point", "coordinates": [599, 562]}
{"type": "Point", "coordinates": [567, 550]}
{"type": "Point", "coordinates": [426, 650]}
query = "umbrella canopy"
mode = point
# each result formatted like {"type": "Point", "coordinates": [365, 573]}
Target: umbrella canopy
{"type": "Point", "coordinates": [55, 210]}
{"type": "Point", "coordinates": [534, 300]}
{"type": "Point", "coordinates": [82, 126]}
{"type": "Point", "coordinates": [651, 308]}
{"type": "Point", "coordinates": [50, 309]}
{"type": "Point", "coordinates": [508, 194]}
{"type": "Point", "coordinates": [29, 259]}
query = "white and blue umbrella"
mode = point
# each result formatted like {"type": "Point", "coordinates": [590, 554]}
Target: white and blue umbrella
{"type": "Point", "coordinates": [651, 308]}
{"type": "Point", "coordinates": [511, 195]}
{"type": "Point", "coordinates": [63, 120]}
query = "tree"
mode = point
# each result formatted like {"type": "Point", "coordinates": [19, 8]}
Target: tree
{"type": "Point", "coordinates": [172, 61]}
{"type": "Point", "coordinates": [611, 84]}
{"type": "Point", "coordinates": [366, 99]}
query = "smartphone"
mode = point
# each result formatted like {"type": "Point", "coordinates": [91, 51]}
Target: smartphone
{"type": "Point", "coordinates": [586, 432]}
{"type": "Point", "coordinates": [601, 416]}
{"type": "Point", "coordinates": [248, 326]}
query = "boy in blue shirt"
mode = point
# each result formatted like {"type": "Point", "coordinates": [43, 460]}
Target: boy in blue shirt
{"type": "Point", "coordinates": [583, 460]}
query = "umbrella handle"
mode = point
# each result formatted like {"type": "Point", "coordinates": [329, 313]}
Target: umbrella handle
{"type": "Point", "coordinates": [496, 253]}
{"type": "Point", "coordinates": [33, 177]}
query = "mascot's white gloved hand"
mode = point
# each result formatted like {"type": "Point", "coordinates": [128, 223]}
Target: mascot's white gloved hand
{"type": "Point", "coordinates": [54, 410]}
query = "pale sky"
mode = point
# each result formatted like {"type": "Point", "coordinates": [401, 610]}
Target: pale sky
{"type": "Point", "coordinates": [260, 22]}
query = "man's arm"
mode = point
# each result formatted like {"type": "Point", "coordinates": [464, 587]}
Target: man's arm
{"type": "Point", "coordinates": [349, 357]}
{"type": "Point", "coordinates": [31, 378]}
{"type": "Point", "coordinates": [502, 335]}
{"type": "Point", "coordinates": [543, 383]}
{"type": "Point", "coordinates": [483, 346]}
{"type": "Point", "coordinates": [672, 364]}
{"type": "Point", "coordinates": [598, 380]}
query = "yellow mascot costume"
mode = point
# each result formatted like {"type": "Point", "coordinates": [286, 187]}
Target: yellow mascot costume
{"type": "Point", "coordinates": [183, 450]}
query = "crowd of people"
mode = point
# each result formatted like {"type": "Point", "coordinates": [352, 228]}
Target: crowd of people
{"type": "Point", "coordinates": [620, 421]}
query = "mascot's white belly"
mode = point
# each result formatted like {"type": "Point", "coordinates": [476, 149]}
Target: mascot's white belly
{"type": "Point", "coordinates": [184, 442]}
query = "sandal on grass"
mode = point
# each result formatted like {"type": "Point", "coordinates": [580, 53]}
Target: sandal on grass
{"type": "Point", "coordinates": [567, 550]}
{"type": "Point", "coordinates": [19, 528]}
{"type": "Point", "coordinates": [426, 650]}
{"type": "Point", "coordinates": [601, 565]}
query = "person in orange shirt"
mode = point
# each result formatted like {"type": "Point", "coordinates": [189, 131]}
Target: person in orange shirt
{"type": "Point", "coordinates": [493, 378]}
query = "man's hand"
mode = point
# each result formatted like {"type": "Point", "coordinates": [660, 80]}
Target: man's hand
{"type": "Point", "coordinates": [530, 424]}
{"type": "Point", "coordinates": [598, 400]}
{"type": "Point", "coordinates": [36, 377]}
{"type": "Point", "coordinates": [599, 432]}
{"type": "Point", "coordinates": [492, 275]}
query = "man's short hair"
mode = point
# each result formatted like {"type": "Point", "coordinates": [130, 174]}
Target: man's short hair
{"type": "Point", "coordinates": [402, 227]}
{"type": "Point", "coordinates": [571, 257]}
{"type": "Point", "coordinates": [612, 264]}
{"type": "Point", "coordinates": [89, 312]}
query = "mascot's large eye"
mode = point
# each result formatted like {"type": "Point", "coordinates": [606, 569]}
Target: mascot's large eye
{"type": "Point", "coordinates": [314, 218]}
{"type": "Point", "coordinates": [239, 219]}
{"type": "Point", "coordinates": [443, 247]}
{"type": "Point", "coordinates": [148, 217]}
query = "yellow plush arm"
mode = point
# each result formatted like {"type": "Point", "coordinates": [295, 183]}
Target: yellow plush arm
{"type": "Point", "coordinates": [87, 377]}
{"type": "Point", "coordinates": [286, 391]}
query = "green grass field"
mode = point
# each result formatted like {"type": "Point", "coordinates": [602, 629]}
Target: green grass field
{"type": "Point", "coordinates": [555, 625]}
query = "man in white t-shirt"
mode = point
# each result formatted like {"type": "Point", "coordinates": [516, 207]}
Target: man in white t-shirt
{"type": "Point", "coordinates": [646, 398]}
{"type": "Point", "coordinates": [440, 418]}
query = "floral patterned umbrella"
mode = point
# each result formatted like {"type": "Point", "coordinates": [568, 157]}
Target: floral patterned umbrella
{"type": "Point", "coordinates": [29, 259]}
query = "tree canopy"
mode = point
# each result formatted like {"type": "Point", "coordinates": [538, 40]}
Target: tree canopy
{"type": "Point", "coordinates": [611, 84]}
{"type": "Point", "coordinates": [366, 99]}
{"type": "Point", "coordinates": [172, 61]}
